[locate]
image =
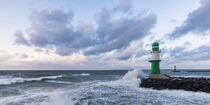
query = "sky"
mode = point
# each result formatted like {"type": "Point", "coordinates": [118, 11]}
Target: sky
{"type": "Point", "coordinates": [103, 34]}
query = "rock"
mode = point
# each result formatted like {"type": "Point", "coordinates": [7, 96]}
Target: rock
{"type": "Point", "coordinates": [159, 76]}
{"type": "Point", "coordinates": [190, 84]}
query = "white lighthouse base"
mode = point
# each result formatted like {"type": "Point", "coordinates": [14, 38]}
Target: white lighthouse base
{"type": "Point", "coordinates": [159, 76]}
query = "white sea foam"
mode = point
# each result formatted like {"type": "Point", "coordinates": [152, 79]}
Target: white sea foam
{"type": "Point", "coordinates": [176, 97]}
{"type": "Point", "coordinates": [58, 97]}
{"type": "Point", "coordinates": [38, 97]}
{"type": "Point", "coordinates": [82, 74]}
{"type": "Point", "coordinates": [5, 76]}
{"type": "Point", "coordinates": [127, 91]}
{"type": "Point", "coordinates": [10, 80]}
{"type": "Point", "coordinates": [107, 93]}
{"type": "Point", "coordinates": [194, 76]}
{"type": "Point", "coordinates": [60, 82]}
{"type": "Point", "coordinates": [132, 78]}
{"type": "Point", "coordinates": [123, 91]}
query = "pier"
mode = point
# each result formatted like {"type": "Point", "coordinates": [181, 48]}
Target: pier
{"type": "Point", "coordinates": [159, 81]}
{"type": "Point", "coordinates": [190, 84]}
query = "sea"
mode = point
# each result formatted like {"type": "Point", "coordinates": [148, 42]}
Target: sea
{"type": "Point", "coordinates": [93, 87]}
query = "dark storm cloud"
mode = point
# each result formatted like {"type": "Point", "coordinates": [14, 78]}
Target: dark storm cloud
{"type": "Point", "coordinates": [54, 30]}
{"type": "Point", "coordinates": [197, 21]}
{"type": "Point", "coordinates": [118, 33]}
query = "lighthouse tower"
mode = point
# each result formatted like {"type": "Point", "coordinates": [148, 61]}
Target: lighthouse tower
{"type": "Point", "coordinates": [155, 66]}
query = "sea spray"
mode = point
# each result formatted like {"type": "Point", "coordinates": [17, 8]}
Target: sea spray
{"type": "Point", "coordinates": [133, 75]}
{"type": "Point", "coordinates": [132, 78]}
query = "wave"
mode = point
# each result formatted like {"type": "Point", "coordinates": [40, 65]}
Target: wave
{"type": "Point", "coordinates": [7, 80]}
{"type": "Point", "coordinates": [122, 91]}
{"type": "Point", "coordinates": [127, 91]}
{"type": "Point", "coordinates": [38, 97]}
{"type": "Point", "coordinates": [60, 82]}
{"type": "Point", "coordinates": [5, 76]}
{"type": "Point", "coordinates": [82, 74]}
{"type": "Point", "coordinates": [134, 96]}
{"type": "Point", "coordinates": [132, 78]}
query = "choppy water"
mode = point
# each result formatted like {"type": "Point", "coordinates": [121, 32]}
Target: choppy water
{"type": "Point", "coordinates": [116, 87]}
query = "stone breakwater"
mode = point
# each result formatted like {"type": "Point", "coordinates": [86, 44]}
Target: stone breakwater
{"type": "Point", "coordinates": [190, 84]}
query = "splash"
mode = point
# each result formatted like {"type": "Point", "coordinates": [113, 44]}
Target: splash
{"type": "Point", "coordinates": [132, 78]}
{"type": "Point", "coordinates": [133, 75]}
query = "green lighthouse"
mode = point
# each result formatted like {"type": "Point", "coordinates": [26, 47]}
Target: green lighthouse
{"type": "Point", "coordinates": [155, 66]}
{"type": "Point", "coordinates": [155, 63]}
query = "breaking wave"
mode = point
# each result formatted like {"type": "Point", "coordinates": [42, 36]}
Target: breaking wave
{"type": "Point", "coordinates": [132, 78]}
{"type": "Point", "coordinates": [60, 82]}
{"type": "Point", "coordinates": [82, 74]}
{"type": "Point", "coordinates": [7, 80]}
{"type": "Point", "coordinates": [126, 91]}
{"type": "Point", "coordinates": [38, 97]}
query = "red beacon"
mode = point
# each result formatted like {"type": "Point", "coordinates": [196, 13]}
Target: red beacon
{"type": "Point", "coordinates": [174, 68]}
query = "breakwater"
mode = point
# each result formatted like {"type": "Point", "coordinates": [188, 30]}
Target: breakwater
{"type": "Point", "coordinates": [190, 84]}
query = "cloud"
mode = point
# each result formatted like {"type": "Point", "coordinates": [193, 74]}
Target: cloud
{"type": "Point", "coordinates": [199, 54]}
{"type": "Point", "coordinates": [53, 30]}
{"type": "Point", "coordinates": [124, 6]}
{"type": "Point", "coordinates": [197, 21]}
{"type": "Point", "coordinates": [118, 33]}
{"type": "Point", "coordinates": [20, 39]}
{"type": "Point", "coordinates": [24, 56]}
